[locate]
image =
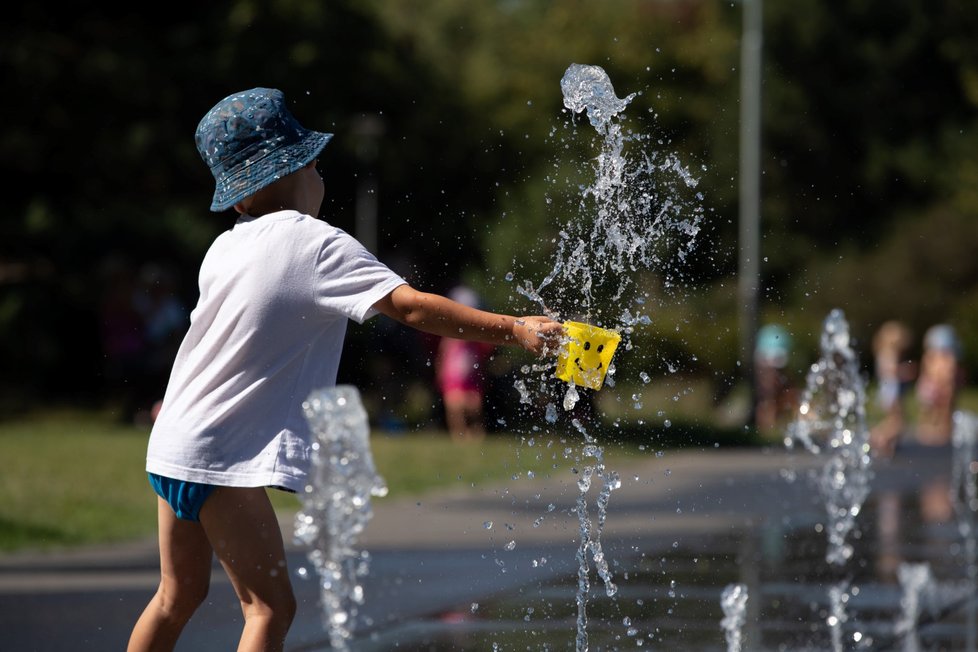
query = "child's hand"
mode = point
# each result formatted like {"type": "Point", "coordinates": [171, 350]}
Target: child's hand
{"type": "Point", "coordinates": [538, 335]}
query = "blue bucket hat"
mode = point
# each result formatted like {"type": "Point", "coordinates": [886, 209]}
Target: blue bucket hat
{"type": "Point", "coordinates": [250, 139]}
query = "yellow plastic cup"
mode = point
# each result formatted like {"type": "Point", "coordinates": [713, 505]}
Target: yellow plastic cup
{"type": "Point", "coordinates": [585, 356]}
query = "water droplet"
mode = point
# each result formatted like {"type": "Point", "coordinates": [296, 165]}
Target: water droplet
{"type": "Point", "coordinates": [571, 398]}
{"type": "Point", "coordinates": [551, 413]}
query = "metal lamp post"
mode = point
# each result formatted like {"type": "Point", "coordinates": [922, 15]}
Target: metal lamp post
{"type": "Point", "coordinates": [750, 188]}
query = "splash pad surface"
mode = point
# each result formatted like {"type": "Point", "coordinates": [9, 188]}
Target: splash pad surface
{"type": "Point", "coordinates": [703, 518]}
{"type": "Point", "coordinates": [692, 523]}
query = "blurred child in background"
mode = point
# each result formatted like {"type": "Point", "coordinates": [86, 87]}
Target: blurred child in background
{"type": "Point", "coordinates": [941, 378]}
{"type": "Point", "coordinates": [894, 377]}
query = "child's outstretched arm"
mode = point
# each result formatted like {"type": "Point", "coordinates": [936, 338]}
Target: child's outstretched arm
{"type": "Point", "coordinates": [438, 315]}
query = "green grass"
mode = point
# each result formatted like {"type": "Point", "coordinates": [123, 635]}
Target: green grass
{"type": "Point", "coordinates": [69, 478]}
{"type": "Point", "coordinates": [72, 478]}
{"type": "Point", "coordinates": [415, 463]}
{"type": "Point", "coordinates": [77, 477]}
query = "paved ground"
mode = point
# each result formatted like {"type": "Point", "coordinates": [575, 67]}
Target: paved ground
{"type": "Point", "coordinates": [430, 558]}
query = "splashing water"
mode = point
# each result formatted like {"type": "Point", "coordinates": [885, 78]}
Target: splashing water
{"type": "Point", "coordinates": [733, 601]}
{"type": "Point", "coordinates": [336, 505]}
{"type": "Point", "coordinates": [591, 532]}
{"type": "Point", "coordinates": [918, 587]}
{"type": "Point", "coordinates": [831, 422]}
{"type": "Point", "coordinates": [637, 214]}
{"type": "Point", "coordinates": [964, 498]}
{"type": "Point", "coordinates": [838, 597]}
{"type": "Point", "coordinates": [588, 88]}
{"type": "Point", "coordinates": [964, 490]}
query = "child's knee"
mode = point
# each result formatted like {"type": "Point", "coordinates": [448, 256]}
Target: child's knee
{"type": "Point", "coordinates": [278, 608]}
{"type": "Point", "coordinates": [283, 604]}
{"type": "Point", "coordinates": [180, 601]}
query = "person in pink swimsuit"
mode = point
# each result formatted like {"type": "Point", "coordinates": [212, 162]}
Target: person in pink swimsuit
{"type": "Point", "coordinates": [460, 376]}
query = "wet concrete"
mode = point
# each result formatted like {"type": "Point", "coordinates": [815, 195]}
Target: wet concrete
{"type": "Point", "coordinates": [441, 580]}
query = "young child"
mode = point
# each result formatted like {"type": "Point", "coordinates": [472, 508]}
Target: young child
{"type": "Point", "coordinates": [940, 380]}
{"type": "Point", "coordinates": [276, 291]}
{"type": "Point", "coordinates": [894, 375]}
{"type": "Point", "coordinates": [460, 377]}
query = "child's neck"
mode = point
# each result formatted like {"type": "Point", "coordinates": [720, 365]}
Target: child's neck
{"type": "Point", "coordinates": [265, 202]}
{"type": "Point", "coordinates": [264, 206]}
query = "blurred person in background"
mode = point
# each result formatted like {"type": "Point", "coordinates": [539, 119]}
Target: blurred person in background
{"type": "Point", "coordinates": [460, 376]}
{"type": "Point", "coordinates": [938, 383]}
{"type": "Point", "coordinates": [123, 337]}
{"type": "Point", "coordinates": [940, 380]}
{"type": "Point", "coordinates": [165, 319]}
{"type": "Point", "coordinates": [775, 394]}
{"type": "Point", "coordinates": [895, 373]}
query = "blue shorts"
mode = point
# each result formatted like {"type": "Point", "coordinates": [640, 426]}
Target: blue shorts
{"type": "Point", "coordinates": [185, 498]}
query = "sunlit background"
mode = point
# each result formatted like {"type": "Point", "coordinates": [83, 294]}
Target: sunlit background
{"type": "Point", "coordinates": [454, 161]}
{"type": "Point", "coordinates": [833, 148]}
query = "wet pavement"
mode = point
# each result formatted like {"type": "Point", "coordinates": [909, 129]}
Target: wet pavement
{"type": "Point", "coordinates": [681, 528]}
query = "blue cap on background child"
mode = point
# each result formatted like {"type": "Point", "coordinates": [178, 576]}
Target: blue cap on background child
{"type": "Point", "coordinates": [773, 345]}
{"type": "Point", "coordinates": [942, 337]}
{"type": "Point", "coordinates": [249, 140]}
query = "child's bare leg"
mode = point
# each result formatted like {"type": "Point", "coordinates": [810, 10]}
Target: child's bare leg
{"type": "Point", "coordinates": [475, 427]}
{"type": "Point", "coordinates": [185, 571]}
{"type": "Point", "coordinates": [244, 532]}
{"type": "Point", "coordinates": [455, 418]}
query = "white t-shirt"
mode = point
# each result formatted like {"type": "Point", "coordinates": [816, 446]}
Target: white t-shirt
{"type": "Point", "coordinates": [275, 296]}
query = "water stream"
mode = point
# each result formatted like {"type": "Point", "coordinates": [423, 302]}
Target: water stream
{"type": "Point", "coordinates": [733, 600]}
{"type": "Point", "coordinates": [831, 424]}
{"type": "Point", "coordinates": [631, 219]}
{"type": "Point", "coordinates": [964, 499]}
{"type": "Point", "coordinates": [336, 506]}
{"type": "Point", "coordinates": [590, 531]}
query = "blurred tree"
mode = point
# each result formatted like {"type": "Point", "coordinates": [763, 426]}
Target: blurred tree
{"type": "Point", "coordinates": [869, 150]}
{"type": "Point", "coordinates": [861, 100]}
{"type": "Point", "coordinates": [505, 60]}
{"type": "Point", "coordinates": [99, 161]}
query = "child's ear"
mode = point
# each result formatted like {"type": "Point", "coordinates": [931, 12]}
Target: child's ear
{"type": "Point", "coordinates": [240, 208]}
